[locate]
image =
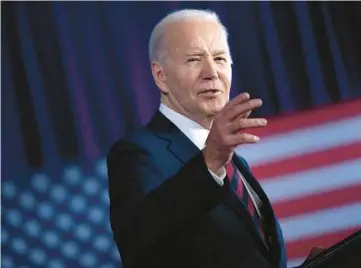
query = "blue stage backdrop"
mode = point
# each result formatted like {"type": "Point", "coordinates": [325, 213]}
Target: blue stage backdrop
{"type": "Point", "coordinates": [76, 76]}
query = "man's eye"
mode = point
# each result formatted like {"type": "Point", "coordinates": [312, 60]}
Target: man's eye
{"type": "Point", "coordinates": [192, 60]}
{"type": "Point", "coordinates": [220, 59]}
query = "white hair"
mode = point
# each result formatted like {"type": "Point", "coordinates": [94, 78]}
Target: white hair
{"type": "Point", "coordinates": [157, 51]}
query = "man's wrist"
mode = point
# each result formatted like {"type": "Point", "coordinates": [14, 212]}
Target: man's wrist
{"type": "Point", "coordinates": [213, 165]}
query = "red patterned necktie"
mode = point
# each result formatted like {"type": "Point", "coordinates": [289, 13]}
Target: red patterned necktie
{"type": "Point", "coordinates": [236, 183]}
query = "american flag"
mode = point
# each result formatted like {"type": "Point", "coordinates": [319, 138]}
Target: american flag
{"type": "Point", "coordinates": [309, 164]}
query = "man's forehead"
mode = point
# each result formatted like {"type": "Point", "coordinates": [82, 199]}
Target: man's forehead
{"type": "Point", "coordinates": [206, 46]}
{"type": "Point", "coordinates": [196, 36]}
{"type": "Point", "coordinates": [196, 31]}
{"type": "Point", "coordinates": [212, 43]}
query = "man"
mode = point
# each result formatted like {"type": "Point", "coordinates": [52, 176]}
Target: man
{"type": "Point", "coordinates": [179, 195]}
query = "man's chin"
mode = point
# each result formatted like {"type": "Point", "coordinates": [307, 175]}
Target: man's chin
{"type": "Point", "coordinates": [211, 111]}
{"type": "Point", "coordinates": [213, 107]}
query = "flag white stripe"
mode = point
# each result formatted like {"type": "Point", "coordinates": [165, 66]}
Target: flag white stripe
{"type": "Point", "coordinates": [321, 222]}
{"type": "Point", "coordinates": [298, 142]}
{"type": "Point", "coordinates": [319, 179]}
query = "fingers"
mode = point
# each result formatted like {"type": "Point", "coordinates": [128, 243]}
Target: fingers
{"type": "Point", "coordinates": [242, 138]}
{"type": "Point", "coordinates": [247, 114]}
{"type": "Point", "coordinates": [238, 99]}
{"type": "Point", "coordinates": [244, 108]}
{"type": "Point", "coordinates": [243, 123]}
{"type": "Point", "coordinates": [237, 137]}
{"type": "Point", "coordinates": [233, 118]}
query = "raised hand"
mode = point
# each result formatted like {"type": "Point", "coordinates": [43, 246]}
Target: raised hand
{"type": "Point", "coordinates": [227, 131]}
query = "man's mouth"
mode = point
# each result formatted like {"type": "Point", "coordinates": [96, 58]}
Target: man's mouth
{"type": "Point", "coordinates": [210, 91]}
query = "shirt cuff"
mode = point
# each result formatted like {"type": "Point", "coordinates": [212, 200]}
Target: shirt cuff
{"type": "Point", "coordinates": [219, 178]}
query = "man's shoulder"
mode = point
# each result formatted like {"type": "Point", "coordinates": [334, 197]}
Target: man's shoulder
{"type": "Point", "coordinates": [143, 138]}
{"type": "Point", "coordinates": [134, 138]}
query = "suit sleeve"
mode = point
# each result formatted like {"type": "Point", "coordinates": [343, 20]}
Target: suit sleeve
{"type": "Point", "coordinates": [142, 220]}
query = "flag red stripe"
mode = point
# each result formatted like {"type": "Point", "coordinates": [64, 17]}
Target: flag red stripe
{"type": "Point", "coordinates": [315, 117]}
{"type": "Point", "coordinates": [308, 161]}
{"type": "Point", "coordinates": [318, 201]}
{"type": "Point", "coordinates": [301, 248]}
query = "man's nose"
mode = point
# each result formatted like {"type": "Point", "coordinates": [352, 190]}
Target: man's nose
{"type": "Point", "coordinates": [209, 70]}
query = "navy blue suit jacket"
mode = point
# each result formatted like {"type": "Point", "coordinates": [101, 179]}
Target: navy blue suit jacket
{"type": "Point", "coordinates": [167, 211]}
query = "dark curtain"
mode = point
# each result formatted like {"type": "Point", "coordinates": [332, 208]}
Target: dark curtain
{"type": "Point", "coordinates": [76, 76]}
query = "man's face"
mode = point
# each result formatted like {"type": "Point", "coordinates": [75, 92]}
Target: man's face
{"type": "Point", "coordinates": [197, 75]}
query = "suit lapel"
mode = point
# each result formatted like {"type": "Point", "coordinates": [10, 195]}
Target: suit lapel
{"type": "Point", "coordinates": [178, 143]}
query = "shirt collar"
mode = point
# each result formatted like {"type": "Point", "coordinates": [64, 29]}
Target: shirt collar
{"type": "Point", "coordinates": [194, 131]}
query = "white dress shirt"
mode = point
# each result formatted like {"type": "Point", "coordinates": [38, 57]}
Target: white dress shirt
{"type": "Point", "coordinates": [198, 135]}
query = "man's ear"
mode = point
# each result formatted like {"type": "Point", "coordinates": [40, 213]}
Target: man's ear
{"type": "Point", "coordinates": [160, 77]}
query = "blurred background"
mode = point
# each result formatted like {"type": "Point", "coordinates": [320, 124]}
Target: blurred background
{"type": "Point", "coordinates": [76, 76]}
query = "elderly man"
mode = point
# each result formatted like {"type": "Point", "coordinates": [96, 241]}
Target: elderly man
{"type": "Point", "coordinates": [179, 195]}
